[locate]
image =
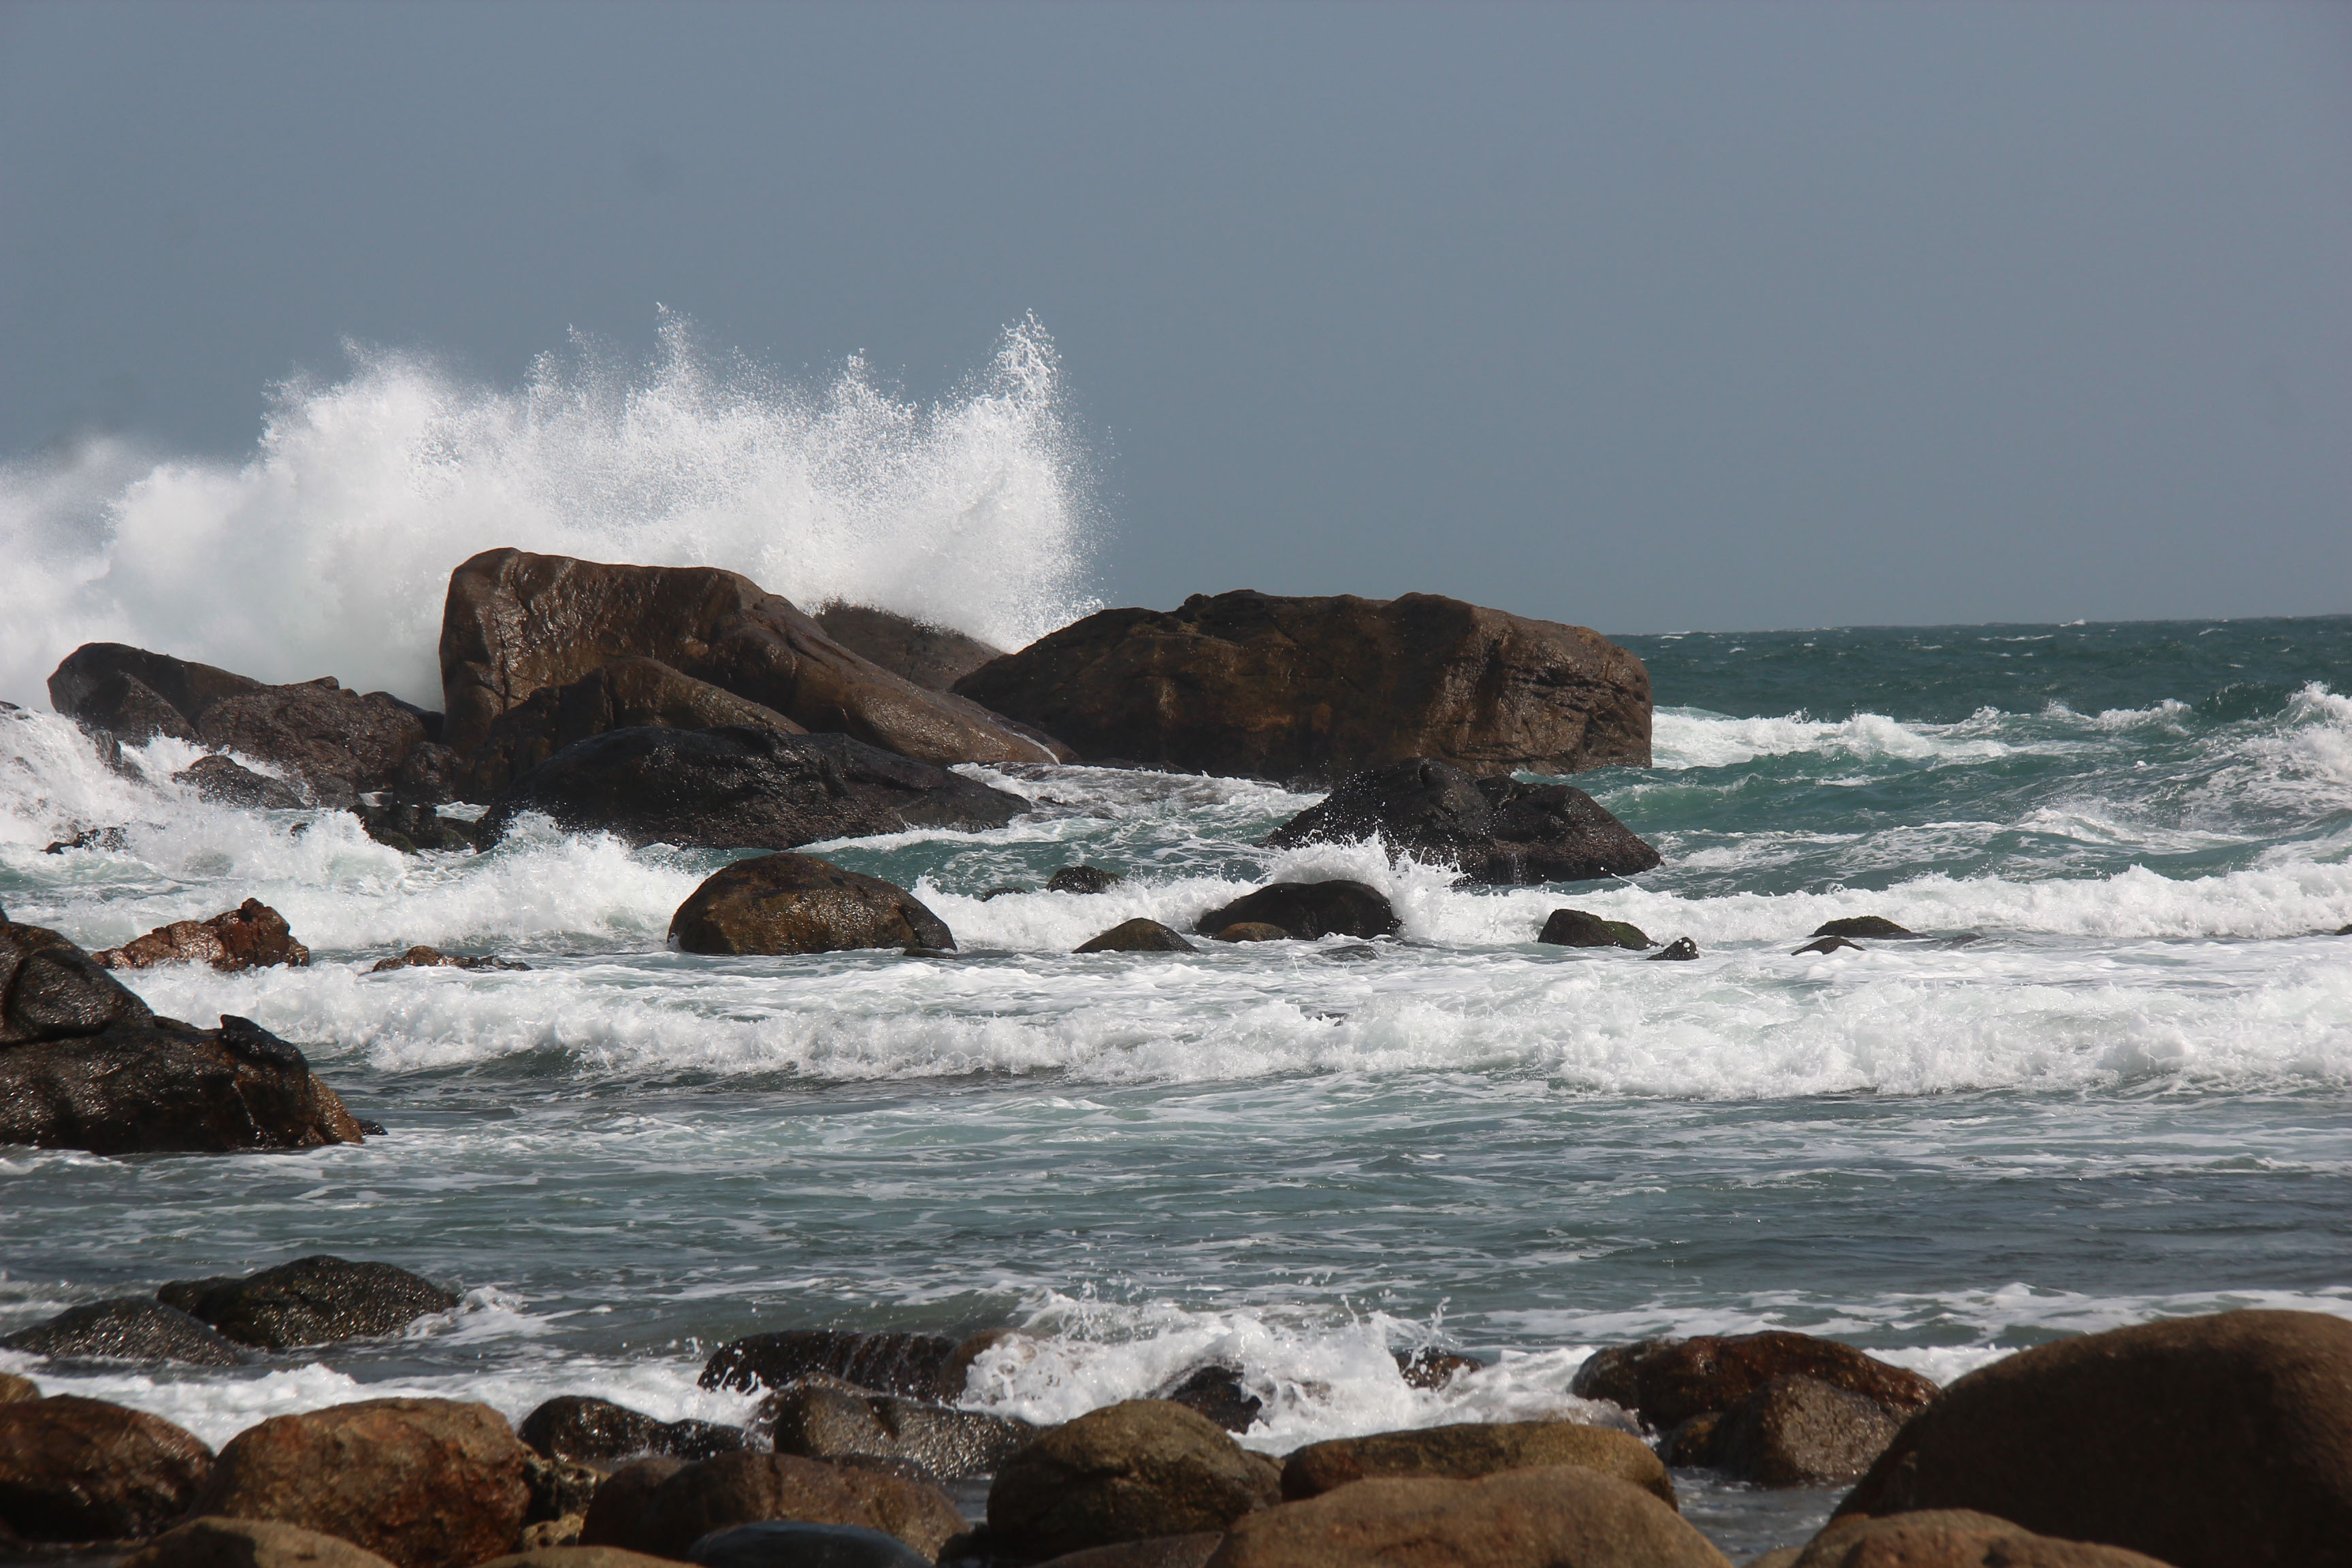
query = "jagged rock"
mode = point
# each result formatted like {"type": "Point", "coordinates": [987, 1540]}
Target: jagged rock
{"type": "Point", "coordinates": [668, 1517]}
{"type": "Point", "coordinates": [516, 623]}
{"type": "Point", "coordinates": [15, 1389]}
{"type": "Point", "coordinates": [1432, 1368]}
{"type": "Point", "coordinates": [1670, 1381]}
{"type": "Point", "coordinates": [597, 1431]}
{"type": "Point", "coordinates": [1950, 1538]}
{"type": "Point", "coordinates": [224, 781]}
{"type": "Point", "coordinates": [1792, 1432]}
{"type": "Point", "coordinates": [1137, 936]}
{"type": "Point", "coordinates": [1680, 950]}
{"type": "Point", "coordinates": [797, 903]}
{"type": "Point", "coordinates": [1467, 1452]}
{"type": "Point", "coordinates": [1575, 927]}
{"type": "Point", "coordinates": [81, 1469]}
{"type": "Point", "coordinates": [434, 958]}
{"type": "Point", "coordinates": [1217, 1392]}
{"type": "Point", "coordinates": [309, 1302]}
{"type": "Point", "coordinates": [50, 989]}
{"type": "Point", "coordinates": [818, 1422]}
{"type": "Point", "coordinates": [112, 840]}
{"type": "Point", "coordinates": [216, 1543]}
{"type": "Point", "coordinates": [1309, 909]}
{"type": "Point", "coordinates": [933, 658]}
{"type": "Point", "coordinates": [1562, 1516]}
{"type": "Point", "coordinates": [2203, 1442]}
{"type": "Point", "coordinates": [778, 1543]}
{"type": "Point", "coordinates": [625, 694]}
{"type": "Point", "coordinates": [1827, 945]}
{"type": "Point", "coordinates": [251, 936]}
{"type": "Point", "coordinates": [1252, 930]}
{"type": "Point", "coordinates": [1863, 925]}
{"type": "Point", "coordinates": [1251, 684]}
{"type": "Point", "coordinates": [413, 826]}
{"type": "Point", "coordinates": [425, 1483]}
{"type": "Point", "coordinates": [738, 787]}
{"type": "Point", "coordinates": [1083, 880]}
{"type": "Point", "coordinates": [128, 1328]}
{"type": "Point", "coordinates": [1495, 830]}
{"type": "Point", "coordinates": [1126, 1472]}
{"type": "Point", "coordinates": [920, 1366]}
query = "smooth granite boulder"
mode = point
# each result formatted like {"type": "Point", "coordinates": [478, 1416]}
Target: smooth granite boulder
{"type": "Point", "coordinates": [81, 1469]}
{"type": "Point", "coordinates": [625, 694]}
{"type": "Point", "coordinates": [1792, 1432]}
{"type": "Point", "coordinates": [668, 1517]}
{"type": "Point", "coordinates": [214, 1543]}
{"type": "Point", "coordinates": [1144, 1467]}
{"type": "Point", "coordinates": [1670, 1381]}
{"type": "Point", "coordinates": [933, 658]}
{"type": "Point", "coordinates": [1946, 1538]}
{"type": "Point", "coordinates": [797, 903]}
{"type": "Point", "coordinates": [1496, 830]}
{"type": "Point", "coordinates": [1467, 1452]}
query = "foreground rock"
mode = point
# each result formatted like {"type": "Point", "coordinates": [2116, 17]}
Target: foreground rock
{"type": "Point", "coordinates": [15, 1389]}
{"type": "Point", "coordinates": [1575, 927]}
{"type": "Point", "coordinates": [425, 1483]}
{"type": "Point", "coordinates": [1126, 1472]}
{"type": "Point", "coordinates": [682, 1505]}
{"type": "Point", "coordinates": [1156, 1551]}
{"type": "Point", "coordinates": [574, 1556]}
{"type": "Point", "coordinates": [251, 936]}
{"type": "Point", "coordinates": [739, 788]}
{"type": "Point", "coordinates": [1467, 1452]}
{"type": "Point", "coordinates": [516, 624]}
{"type": "Point", "coordinates": [1250, 685]}
{"type": "Point", "coordinates": [129, 1327]}
{"type": "Point", "coordinates": [797, 903]}
{"type": "Point", "coordinates": [309, 1302]}
{"type": "Point", "coordinates": [1670, 1381]}
{"type": "Point", "coordinates": [82, 1469]}
{"type": "Point", "coordinates": [920, 1366]}
{"type": "Point", "coordinates": [1946, 1538]}
{"type": "Point", "coordinates": [818, 1422]}
{"type": "Point", "coordinates": [933, 658]}
{"type": "Point", "coordinates": [779, 1545]}
{"type": "Point", "coordinates": [1137, 936]}
{"type": "Point", "coordinates": [1792, 1432]}
{"type": "Point", "coordinates": [2200, 1441]}
{"type": "Point", "coordinates": [214, 1543]}
{"type": "Point", "coordinates": [1495, 830]}
{"type": "Point", "coordinates": [599, 1432]}
{"type": "Point", "coordinates": [1561, 1517]}
{"type": "Point", "coordinates": [1308, 910]}
{"type": "Point", "coordinates": [625, 694]}
{"type": "Point", "coordinates": [50, 989]}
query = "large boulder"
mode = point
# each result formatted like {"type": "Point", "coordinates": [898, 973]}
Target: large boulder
{"type": "Point", "coordinates": [128, 1328]}
{"type": "Point", "coordinates": [667, 1518]}
{"type": "Point", "coordinates": [1467, 1452]}
{"type": "Point", "coordinates": [743, 787]}
{"type": "Point", "coordinates": [82, 1469]}
{"type": "Point", "coordinates": [784, 1543]}
{"type": "Point", "coordinates": [1946, 1538]}
{"type": "Point", "coordinates": [1496, 829]}
{"type": "Point", "coordinates": [1251, 684]}
{"type": "Point", "coordinates": [251, 936]}
{"type": "Point", "coordinates": [309, 1302]}
{"type": "Point", "coordinates": [1670, 1381]}
{"type": "Point", "coordinates": [51, 990]}
{"type": "Point", "coordinates": [425, 1483]}
{"type": "Point", "coordinates": [1156, 1551]}
{"type": "Point", "coordinates": [819, 1422]}
{"type": "Point", "coordinates": [933, 658]}
{"type": "Point", "coordinates": [1792, 1432]}
{"type": "Point", "coordinates": [797, 903]}
{"type": "Point", "coordinates": [2200, 1441]}
{"type": "Point", "coordinates": [627, 694]}
{"type": "Point", "coordinates": [920, 1366]}
{"type": "Point", "coordinates": [1126, 1472]}
{"type": "Point", "coordinates": [1563, 1516]}
{"type": "Point", "coordinates": [136, 695]}
{"type": "Point", "coordinates": [1309, 909]}
{"type": "Point", "coordinates": [516, 623]}
{"type": "Point", "coordinates": [214, 1543]}
{"type": "Point", "coordinates": [1138, 935]}
{"type": "Point", "coordinates": [574, 1556]}
{"type": "Point", "coordinates": [584, 1430]}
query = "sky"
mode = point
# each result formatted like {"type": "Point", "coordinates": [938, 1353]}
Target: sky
{"type": "Point", "coordinates": [1650, 317]}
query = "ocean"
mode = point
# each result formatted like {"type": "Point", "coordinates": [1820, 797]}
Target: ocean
{"type": "Point", "coordinates": [2111, 1082]}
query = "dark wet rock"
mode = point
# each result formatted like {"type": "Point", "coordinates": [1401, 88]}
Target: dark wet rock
{"type": "Point", "coordinates": [668, 1517]}
{"type": "Point", "coordinates": [568, 1553]}
{"type": "Point", "coordinates": [1681, 947]}
{"type": "Point", "coordinates": [2344, 931]}
{"type": "Point", "coordinates": [514, 624]}
{"type": "Point", "coordinates": [920, 1366]}
{"type": "Point", "coordinates": [584, 1430]}
{"type": "Point", "coordinates": [1250, 685]}
{"type": "Point", "coordinates": [434, 958]}
{"type": "Point", "coordinates": [819, 1422]}
{"type": "Point", "coordinates": [1561, 1516]}
{"type": "Point", "coordinates": [1828, 945]}
{"type": "Point", "coordinates": [15, 1389]}
{"type": "Point", "coordinates": [932, 657]}
{"type": "Point", "coordinates": [50, 989]}
{"type": "Point", "coordinates": [617, 1515]}
{"type": "Point", "coordinates": [412, 827]}
{"type": "Point", "coordinates": [1252, 930]}
{"type": "Point", "coordinates": [309, 1302]}
{"type": "Point", "coordinates": [251, 936]}
{"type": "Point", "coordinates": [1126, 1472]}
{"type": "Point", "coordinates": [1576, 928]}
{"type": "Point", "coordinates": [1467, 1452]}
{"type": "Point", "coordinates": [82, 1469]}
{"type": "Point", "coordinates": [1495, 830]}
{"type": "Point", "coordinates": [1154, 1551]}
{"type": "Point", "coordinates": [432, 773]}
{"type": "Point", "coordinates": [113, 839]}
{"type": "Point", "coordinates": [561, 1492]}
{"type": "Point", "coordinates": [1309, 909]}
{"type": "Point", "coordinates": [2203, 1442]}
{"type": "Point", "coordinates": [777, 1543]}
{"type": "Point", "coordinates": [1000, 892]}
{"type": "Point", "coordinates": [424, 1483]}
{"type": "Point", "coordinates": [1950, 1538]}
{"type": "Point", "coordinates": [1137, 936]}
{"type": "Point", "coordinates": [216, 1543]}
{"type": "Point", "coordinates": [739, 788]}
{"type": "Point", "coordinates": [625, 694]}
{"type": "Point", "coordinates": [1670, 1381]}
{"type": "Point", "coordinates": [797, 903]}
{"type": "Point", "coordinates": [225, 780]}
{"type": "Point", "coordinates": [1432, 1368]}
{"type": "Point", "coordinates": [128, 1328]}
{"type": "Point", "coordinates": [136, 695]}
{"type": "Point", "coordinates": [1083, 880]}
{"type": "Point", "coordinates": [1217, 1392]}
{"type": "Point", "coordinates": [1863, 925]}
{"type": "Point", "coordinates": [1793, 1432]}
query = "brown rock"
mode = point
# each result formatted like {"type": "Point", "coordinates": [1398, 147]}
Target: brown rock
{"type": "Point", "coordinates": [597, 1431]}
{"type": "Point", "coordinates": [1156, 1552]}
{"type": "Point", "coordinates": [135, 694]}
{"type": "Point", "coordinates": [2200, 1441]}
{"type": "Point", "coordinates": [1577, 928]}
{"type": "Point", "coordinates": [309, 1302]}
{"type": "Point", "coordinates": [224, 781]}
{"type": "Point", "coordinates": [1216, 1391]}
{"type": "Point", "coordinates": [15, 1390]}
{"type": "Point", "coordinates": [1137, 936]}
{"type": "Point", "coordinates": [691, 1502]}
{"type": "Point", "coordinates": [618, 1514]}
{"type": "Point", "coordinates": [933, 658]}
{"type": "Point", "coordinates": [627, 694]}
{"type": "Point", "coordinates": [50, 990]}
{"type": "Point", "coordinates": [1309, 909]}
{"type": "Point", "coordinates": [216, 1543]}
{"type": "Point", "coordinates": [817, 1421]}
{"type": "Point", "coordinates": [1251, 930]}
{"type": "Point", "coordinates": [1670, 1381]}
{"type": "Point", "coordinates": [797, 903]}
{"type": "Point", "coordinates": [1495, 830]}
{"type": "Point", "coordinates": [81, 1469]}
{"type": "Point", "coordinates": [1793, 1432]}
{"type": "Point", "coordinates": [251, 936]}
{"type": "Point", "coordinates": [1952, 1537]}
{"type": "Point", "coordinates": [1469, 1451]}
{"type": "Point", "coordinates": [1252, 685]}
{"type": "Point", "coordinates": [1563, 1516]}
{"type": "Point", "coordinates": [1128, 1471]}
{"type": "Point", "coordinates": [426, 1483]}
{"type": "Point", "coordinates": [1429, 1367]}
{"type": "Point", "coordinates": [340, 742]}
{"type": "Point", "coordinates": [922, 1366]}
{"type": "Point", "coordinates": [572, 1556]}
{"type": "Point", "coordinates": [517, 622]}
{"type": "Point", "coordinates": [549, 1534]}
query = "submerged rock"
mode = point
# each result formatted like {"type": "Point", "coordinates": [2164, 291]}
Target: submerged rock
{"type": "Point", "coordinates": [1253, 930]}
{"type": "Point", "coordinates": [1863, 925]}
{"type": "Point", "coordinates": [933, 658]}
{"type": "Point", "coordinates": [1496, 830]}
{"type": "Point", "coordinates": [1826, 945]}
{"type": "Point", "coordinates": [251, 936]}
{"type": "Point", "coordinates": [434, 958]}
{"type": "Point", "coordinates": [1137, 936]}
{"type": "Point", "coordinates": [1127, 1472]}
{"type": "Point", "coordinates": [797, 903]}
{"type": "Point", "coordinates": [1575, 927]}
{"type": "Point", "coordinates": [1216, 1391]}
{"type": "Point", "coordinates": [1251, 684]}
{"type": "Point", "coordinates": [1468, 1451]}
{"type": "Point", "coordinates": [1083, 880]}
{"type": "Point", "coordinates": [81, 1469]}
{"type": "Point", "coordinates": [584, 1430]}
{"type": "Point", "coordinates": [1681, 947]}
{"type": "Point", "coordinates": [1307, 911]}
{"type": "Point", "coordinates": [128, 1328]}
{"type": "Point", "coordinates": [309, 1302]}
{"type": "Point", "coordinates": [923, 1366]}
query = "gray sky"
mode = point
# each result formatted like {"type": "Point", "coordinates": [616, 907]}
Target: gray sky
{"type": "Point", "coordinates": [1651, 317]}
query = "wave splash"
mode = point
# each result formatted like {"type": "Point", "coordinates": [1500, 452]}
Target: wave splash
{"type": "Point", "coordinates": [329, 549]}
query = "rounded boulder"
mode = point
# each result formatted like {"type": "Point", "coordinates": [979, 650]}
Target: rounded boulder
{"type": "Point", "coordinates": [1141, 1468]}
{"type": "Point", "coordinates": [216, 1543]}
{"type": "Point", "coordinates": [1469, 1451]}
{"type": "Point", "coordinates": [82, 1469]}
{"type": "Point", "coordinates": [787, 903]}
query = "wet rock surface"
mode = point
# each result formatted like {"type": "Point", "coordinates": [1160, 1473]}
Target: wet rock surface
{"type": "Point", "coordinates": [251, 936]}
{"type": "Point", "coordinates": [128, 1328]}
{"type": "Point", "coordinates": [1137, 936]}
{"type": "Point", "coordinates": [226, 782]}
{"type": "Point", "coordinates": [1469, 1451]}
{"type": "Point", "coordinates": [920, 1366]}
{"type": "Point", "coordinates": [666, 1513]}
{"type": "Point", "coordinates": [1669, 1381]}
{"type": "Point", "coordinates": [797, 903]}
{"type": "Point", "coordinates": [81, 1469]}
{"type": "Point", "coordinates": [625, 694]}
{"type": "Point", "coordinates": [584, 1430]}
{"type": "Point", "coordinates": [309, 1302]}
{"type": "Point", "coordinates": [1306, 911]}
{"type": "Point", "coordinates": [780, 1544]}
{"type": "Point", "coordinates": [1575, 927]}
{"type": "Point", "coordinates": [1793, 1432]}
{"type": "Point", "coordinates": [1083, 880]}
{"type": "Point", "coordinates": [1948, 1538]}
{"type": "Point", "coordinates": [1142, 1468]}
{"type": "Point", "coordinates": [1682, 949]}
{"type": "Point", "coordinates": [216, 1543]}
{"type": "Point", "coordinates": [817, 1421]}
{"type": "Point", "coordinates": [1877, 926]}
{"type": "Point", "coordinates": [52, 990]}
{"type": "Point", "coordinates": [1495, 830]}
{"type": "Point", "coordinates": [933, 658]}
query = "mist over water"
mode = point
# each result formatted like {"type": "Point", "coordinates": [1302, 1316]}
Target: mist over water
{"type": "Point", "coordinates": [328, 551]}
